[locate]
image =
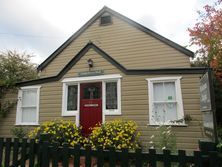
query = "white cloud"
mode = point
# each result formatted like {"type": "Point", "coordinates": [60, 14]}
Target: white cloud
{"type": "Point", "coordinates": [53, 21]}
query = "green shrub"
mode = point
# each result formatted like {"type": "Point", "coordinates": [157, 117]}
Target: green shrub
{"type": "Point", "coordinates": [117, 133]}
{"type": "Point", "coordinates": [165, 139]}
{"type": "Point", "coordinates": [60, 131]}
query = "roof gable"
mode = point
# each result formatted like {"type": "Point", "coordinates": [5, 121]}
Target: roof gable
{"type": "Point", "coordinates": [131, 22]}
{"type": "Point", "coordinates": [89, 46]}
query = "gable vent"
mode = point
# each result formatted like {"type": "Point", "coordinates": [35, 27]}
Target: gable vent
{"type": "Point", "coordinates": [105, 20]}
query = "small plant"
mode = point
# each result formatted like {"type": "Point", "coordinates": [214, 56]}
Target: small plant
{"type": "Point", "coordinates": [219, 145]}
{"type": "Point", "coordinates": [119, 134]}
{"type": "Point", "coordinates": [165, 139]}
{"type": "Point", "coordinates": [60, 131]}
{"type": "Point", "coordinates": [19, 132]}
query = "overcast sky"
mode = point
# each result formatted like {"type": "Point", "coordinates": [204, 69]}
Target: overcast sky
{"type": "Point", "coordinates": [41, 26]}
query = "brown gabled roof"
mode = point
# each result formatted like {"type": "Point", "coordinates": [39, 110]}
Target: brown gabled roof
{"type": "Point", "coordinates": [131, 22]}
{"type": "Point", "coordinates": [76, 58]}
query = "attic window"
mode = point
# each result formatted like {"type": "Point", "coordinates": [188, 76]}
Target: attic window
{"type": "Point", "coordinates": [105, 20]}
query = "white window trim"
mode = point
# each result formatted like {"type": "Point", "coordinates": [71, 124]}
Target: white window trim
{"type": "Point", "coordinates": [180, 113]}
{"type": "Point", "coordinates": [112, 111]}
{"type": "Point", "coordinates": [19, 106]}
{"type": "Point", "coordinates": [66, 112]}
{"type": "Point", "coordinates": [100, 78]}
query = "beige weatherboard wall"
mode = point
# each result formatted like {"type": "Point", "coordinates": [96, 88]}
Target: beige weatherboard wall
{"type": "Point", "coordinates": [132, 57]}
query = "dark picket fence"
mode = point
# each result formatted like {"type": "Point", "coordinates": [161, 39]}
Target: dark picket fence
{"type": "Point", "coordinates": [23, 152]}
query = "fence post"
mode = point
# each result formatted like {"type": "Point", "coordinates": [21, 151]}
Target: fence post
{"type": "Point", "coordinates": [138, 157]}
{"type": "Point", "coordinates": [15, 151]}
{"type": "Point", "coordinates": [197, 159]}
{"type": "Point", "coordinates": [100, 157]}
{"type": "Point", "coordinates": [88, 156]}
{"type": "Point", "coordinates": [213, 159]}
{"type": "Point", "coordinates": [166, 159]}
{"type": "Point", "coordinates": [32, 152]}
{"type": "Point", "coordinates": [1, 149]}
{"type": "Point", "coordinates": [65, 155]}
{"type": "Point", "coordinates": [55, 154]}
{"type": "Point", "coordinates": [23, 152]}
{"type": "Point", "coordinates": [152, 157]}
{"type": "Point", "coordinates": [7, 151]}
{"type": "Point", "coordinates": [77, 155]}
{"type": "Point", "coordinates": [112, 157]}
{"type": "Point", "coordinates": [43, 155]}
{"type": "Point", "coordinates": [182, 158]}
{"type": "Point", "coordinates": [124, 157]}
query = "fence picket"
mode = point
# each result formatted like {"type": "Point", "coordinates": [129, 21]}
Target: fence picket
{"type": "Point", "coordinates": [55, 154]}
{"type": "Point", "coordinates": [182, 158]}
{"type": "Point", "coordinates": [198, 161]}
{"type": "Point", "coordinates": [45, 154]}
{"type": "Point", "coordinates": [1, 150]}
{"type": "Point", "coordinates": [31, 153]}
{"type": "Point", "coordinates": [65, 155]}
{"type": "Point", "coordinates": [7, 151]}
{"type": "Point", "coordinates": [138, 157]}
{"type": "Point", "coordinates": [15, 152]}
{"type": "Point", "coordinates": [213, 159]}
{"type": "Point", "coordinates": [88, 156]}
{"type": "Point", "coordinates": [152, 157]}
{"type": "Point", "coordinates": [28, 152]}
{"type": "Point", "coordinates": [124, 157]}
{"type": "Point", "coordinates": [166, 159]}
{"type": "Point", "coordinates": [77, 155]}
{"type": "Point", "coordinates": [23, 152]}
{"type": "Point", "coordinates": [112, 157]}
{"type": "Point", "coordinates": [100, 157]}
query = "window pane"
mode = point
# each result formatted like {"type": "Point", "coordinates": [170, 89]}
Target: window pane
{"type": "Point", "coordinates": [158, 91]}
{"type": "Point", "coordinates": [29, 114]}
{"type": "Point", "coordinates": [164, 112]}
{"type": "Point", "coordinates": [91, 92]}
{"type": "Point", "coordinates": [171, 111]}
{"type": "Point", "coordinates": [111, 95]}
{"type": "Point", "coordinates": [170, 93]}
{"type": "Point", "coordinates": [158, 112]}
{"type": "Point", "coordinates": [29, 97]}
{"type": "Point", "coordinates": [72, 97]}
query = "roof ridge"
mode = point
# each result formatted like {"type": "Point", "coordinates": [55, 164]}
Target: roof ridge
{"type": "Point", "coordinates": [128, 20]}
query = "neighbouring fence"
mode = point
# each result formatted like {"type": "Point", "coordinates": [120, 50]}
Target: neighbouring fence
{"type": "Point", "coordinates": [23, 152]}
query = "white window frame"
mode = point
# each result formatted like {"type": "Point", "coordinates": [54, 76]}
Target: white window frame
{"type": "Point", "coordinates": [66, 112]}
{"type": "Point", "coordinates": [19, 106]}
{"type": "Point", "coordinates": [179, 101]}
{"type": "Point", "coordinates": [112, 111]}
{"type": "Point", "coordinates": [100, 78]}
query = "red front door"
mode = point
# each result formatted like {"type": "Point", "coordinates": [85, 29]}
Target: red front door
{"type": "Point", "coordinates": [90, 106]}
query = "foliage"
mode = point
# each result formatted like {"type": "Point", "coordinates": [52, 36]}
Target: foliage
{"type": "Point", "coordinates": [165, 139]}
{"type": "Point", "coordinates": [19, 132]}
{"type": "Point", "coordinates": [14, 67]}
{"type": "Point", "coordinates": [60, 131]}
{"type": "Point", "coordinates": [207, 33]}
{"type": "Point", "coordinates": [219, 132]}
{"type": "Point", "coordinates": [119, 134]}
{"type": "Point", "coordinates": [5, 107]}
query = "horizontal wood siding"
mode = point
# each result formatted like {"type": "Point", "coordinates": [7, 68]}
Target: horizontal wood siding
{"type": "Point", "coordinates": [134, 96]}
{"type": "Point", "coordinates": [128, 45]}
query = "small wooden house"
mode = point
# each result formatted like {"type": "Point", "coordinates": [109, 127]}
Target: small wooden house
{"type": "Point", "coordinates": [115, 68]}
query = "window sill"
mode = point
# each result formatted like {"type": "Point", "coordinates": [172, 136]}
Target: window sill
{"type": "Point", "coordinates": [113, 113]}
{"type": "Point", "coordinates": [173, 125]}
{"type": "Point", "coordinates": [27, 124]}
{"type": "Point", "coordinates": [69, 114]}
